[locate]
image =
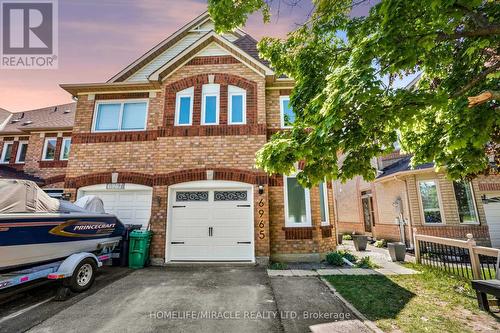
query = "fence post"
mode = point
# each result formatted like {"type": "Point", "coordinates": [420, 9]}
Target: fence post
{"type": "Point", "coordinates": [417, 247]}
{"type": "Point", "coordinates": [474, 258]}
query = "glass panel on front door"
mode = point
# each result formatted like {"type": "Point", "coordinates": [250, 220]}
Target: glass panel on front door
{"type": "Point", "coordinates": [367, 213]}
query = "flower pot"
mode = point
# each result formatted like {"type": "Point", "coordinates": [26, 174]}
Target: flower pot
{"type": "Point", "coordinates": [360, 242]}
{"type": "Point", "coordinates": [397, 251]}
{"type": "Point", "coordinates": [339, 238]}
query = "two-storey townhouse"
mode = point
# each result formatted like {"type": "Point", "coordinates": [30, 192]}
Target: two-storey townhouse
{"type": "Point", "coordinates": [35, 145]}
{"type": "Point", "coordinates": [170, 142]}
{"type": "Point", "coordinates": [423, 199]}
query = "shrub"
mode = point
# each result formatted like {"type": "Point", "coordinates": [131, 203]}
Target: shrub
{"type": "Point", "coordinates": [335, 259]}
{"type": "Point", "coordinates": [279, 265]}
{"type": "Point", "coordinates": [381, 243]}
{"type": "Point", "coordinates": [366, 262]}
{"type": "Point", "coordinates": [347, 237]}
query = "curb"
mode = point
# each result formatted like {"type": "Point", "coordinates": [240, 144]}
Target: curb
{"type": "Point", "coordinates": [368, 323]}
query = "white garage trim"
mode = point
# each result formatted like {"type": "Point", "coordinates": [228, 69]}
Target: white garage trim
{"type": "Point", "coordinates": [211, 186]}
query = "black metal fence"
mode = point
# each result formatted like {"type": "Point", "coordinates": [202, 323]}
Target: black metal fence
{"type": "Point", "coordinates": [453, 259]}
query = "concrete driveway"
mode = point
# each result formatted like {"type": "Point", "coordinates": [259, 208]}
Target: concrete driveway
{"type": "Point", "coordinates": [207, 299]}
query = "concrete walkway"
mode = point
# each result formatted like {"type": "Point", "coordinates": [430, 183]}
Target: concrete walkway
{"type": "Point", "coordinates": [379, 256]}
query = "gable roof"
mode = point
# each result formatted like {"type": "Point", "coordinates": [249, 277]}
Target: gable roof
{"type": "Point", "coordinates": [153, 59]}
{"type": "Point", "coordinates": [53, 117]}
{"type": "Point", "coordinates": [207, 39]}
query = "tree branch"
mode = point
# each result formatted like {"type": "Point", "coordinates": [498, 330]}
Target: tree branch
{"type": "Point", "coordinates": [476, 80]}
{"type": "Point", "coordinates": [485, 31]}
{"type": "Point", "coordinates": [483, 98]}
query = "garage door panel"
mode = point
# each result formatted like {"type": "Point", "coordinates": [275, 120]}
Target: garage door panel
{"type": "Point", "coordinates": [492, 212]}
{"type": "Point", "coordinates": [229, 223]}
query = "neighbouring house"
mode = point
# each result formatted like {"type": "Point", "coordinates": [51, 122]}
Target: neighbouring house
{"type": "Point", "coordinates": [402, 199]}
{"type": "Point", "coordinates": [35, 145]}
{"type": "Point", "coordinates": [170, 143]}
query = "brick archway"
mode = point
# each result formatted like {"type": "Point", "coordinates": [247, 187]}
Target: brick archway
{"type": "Point", "coordinates": [197, 81]}
{"type": "Point", "coordinates": [171, 178]}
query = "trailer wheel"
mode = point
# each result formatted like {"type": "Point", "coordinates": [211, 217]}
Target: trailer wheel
{"type": "Point", "coordinates": [83, 276]}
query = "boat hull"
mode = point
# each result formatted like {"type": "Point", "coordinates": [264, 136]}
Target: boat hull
{"type": "Point", "coordinates": [30, 239]}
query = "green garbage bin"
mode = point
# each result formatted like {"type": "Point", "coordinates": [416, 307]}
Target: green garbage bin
{"type": "Point", "coordinates": [139, 248]}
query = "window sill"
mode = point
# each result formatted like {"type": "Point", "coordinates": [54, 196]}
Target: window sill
{"type": "Point", "coordinates": [440, 224]}
{"type": "Point", "coordinates": [53, 164]}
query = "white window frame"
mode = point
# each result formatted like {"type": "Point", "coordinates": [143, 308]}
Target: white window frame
{"type": "Point", "coordinates": [236, 91]}
{"type": "Point", "coordinates": [122, 103]}
{"type": "Point", "coordinates": [282, 111]}
{"type": "Point", "coordinates": [18, 154]}
{"type": "Point", "coordinates": [440, 201]}
{"type": "Point", "coordinates": [211, 89]}
{"type": "Point", "coordinates": [4, 151]}
{"type": "Point", "coordinates": [45, 146]}
{"type": "Point", "coordinates": [189, 92]}
{"type": "Point", "coordinates": [327, 212]}
{"type": "Point", "coordinates": [307, 195]}
{"type": "Point", "coordinates": [473, 202]}
{"type": "Point", "coordinates": [61, 154]}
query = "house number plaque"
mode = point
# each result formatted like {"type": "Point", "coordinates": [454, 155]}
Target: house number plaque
{"type": "Point", "coordinates": [261, 212]}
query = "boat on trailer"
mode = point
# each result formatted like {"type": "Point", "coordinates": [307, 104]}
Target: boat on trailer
{"type": "Point", "coordinates": [36, 229]}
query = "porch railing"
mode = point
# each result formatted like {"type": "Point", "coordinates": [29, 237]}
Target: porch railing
{"type": "Point", "coordinates": [460, 257]}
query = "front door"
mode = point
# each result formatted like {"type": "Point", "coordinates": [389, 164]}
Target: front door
{"type": "Point", "coordinates": [368, 214]}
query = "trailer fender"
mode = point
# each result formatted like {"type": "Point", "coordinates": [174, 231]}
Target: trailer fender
{"type": "Point", "coordinates": [67, 268]}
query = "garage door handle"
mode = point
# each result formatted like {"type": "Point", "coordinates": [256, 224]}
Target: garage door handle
{"type": "Point", "coordinates": [242, 205]}
{"type": "Point", "coordinates": [176, 242]}
{"type": "Point", "coordinates": [178, 206]}
{"type": "Point", "coordinates": [244, 242]}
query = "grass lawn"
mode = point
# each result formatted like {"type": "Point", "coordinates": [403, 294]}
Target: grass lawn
{"type": "Point", "coordinates": [432, 301]}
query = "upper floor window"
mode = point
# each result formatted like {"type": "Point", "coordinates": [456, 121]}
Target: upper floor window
{"type": "Point", "coordinates": [323, 203]}
{"type": "Point", "coordinates": [184, 107]}
{"type": "Point", "coordinates": [21, 152]}
{"type": "Point", "coordinates": [49, 149]}
{"type": "Point", "coordinates": [430, 200]}
{"type": "Point", "coordinates": [465, 201]}
{"type": "Point", "coordinates": [6, 152]}
{"type": "Point", "coordinates": [210, 104]}
{"type": "Point", "coordinates": [65, 148]}
{"type": "Point", "coordinates": [287, 114]}
{"type": "Point", "coordinates": [237, 105]}
{"type": "Point", "coordinates": [120, 116]}
{"type": "Point", "coordinates": [297, 203]}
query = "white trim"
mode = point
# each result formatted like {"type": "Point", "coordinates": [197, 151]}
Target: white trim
{"type": "Point", "coordinates": [6, 121]}
{"type": "Point", "coordinates": [189, 92]}
{"type": "Point", "coordinates": [236, 91]}
{"type": "Point", "coordinates": [18, 154]}
{"type": "Point", "coordinates": [155, 76]}
{"type": "Point", "coordinates": [473, 203]}
{"type": "Point", "coordinates": [102, 187]}
{"type": "Point", "coordinates": [440, 202]}
{"type": "Point", "coordinates": [307, 198]}
{"type": "Point", "coordinates": [327, 211]}
{"type": "Point", "coordinates": [122, 103]}
{"type": "Point", "coordinates": [45, 146]}
{"type": "Point", "coordinates": [4, 152]}
{"type": "Point", "coordinates": [282, 111]}
{"type": "Point", "coordinates": [210, 90]}
{"type": "Point", "coordinates": [62, 148]}
{"type": "Point", "coordinates": [210, 185]}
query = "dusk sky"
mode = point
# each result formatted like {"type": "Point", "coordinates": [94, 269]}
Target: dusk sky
{"type": "Point", "coordinates": [98, 38]}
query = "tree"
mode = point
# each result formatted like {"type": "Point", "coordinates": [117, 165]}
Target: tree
{"type": "Point", "coordinates": [348, 109]}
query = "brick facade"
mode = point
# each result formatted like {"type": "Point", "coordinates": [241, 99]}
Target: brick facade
{"type": "Point", "coordinates": [164, 154]}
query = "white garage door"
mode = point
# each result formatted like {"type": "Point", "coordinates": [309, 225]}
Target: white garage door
{"type": "Point", "coordinates": [211, 225]}
{"type": "Point", "coordinates": [132, 204]}
{"type": "Point", "coordinates": [492, 211]}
